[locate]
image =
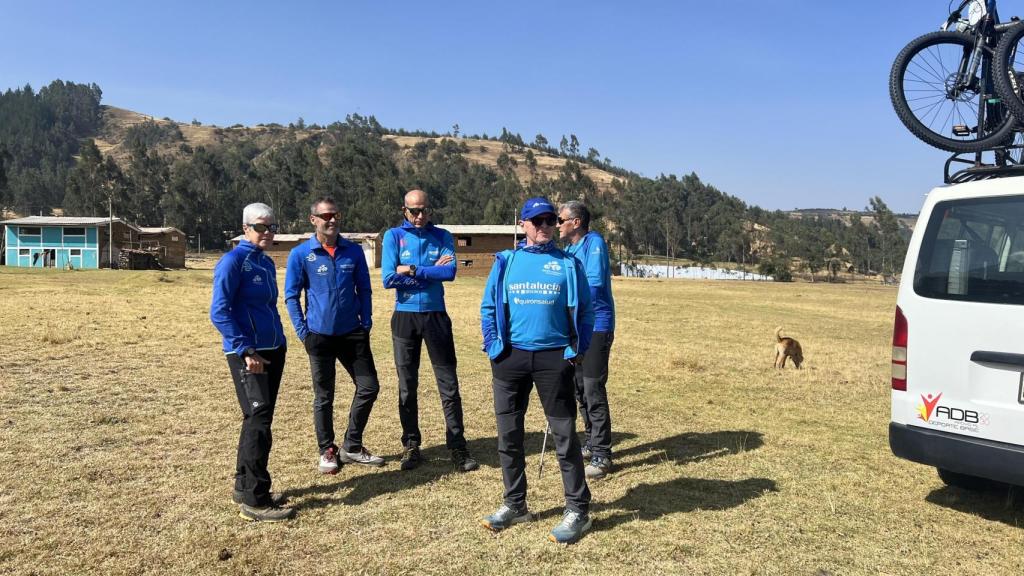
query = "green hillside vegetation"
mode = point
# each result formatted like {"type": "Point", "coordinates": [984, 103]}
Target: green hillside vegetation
{"type": "Point", "coordinates": [60, 148]}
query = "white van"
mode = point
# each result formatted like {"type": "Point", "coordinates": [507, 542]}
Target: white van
{"type": "Point", "coordinates": [958, 339]}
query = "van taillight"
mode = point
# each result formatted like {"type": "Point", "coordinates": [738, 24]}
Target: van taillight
{"type": "Point", "coordinates": [899, 351]}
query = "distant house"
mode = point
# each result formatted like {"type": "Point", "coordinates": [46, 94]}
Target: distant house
{"type": "Point", "coordinates": [61, 242]}
{"type": "Point", "coordinates": [167, 243]}
{"type": "Point", "coordinates": [476, 244]}
{"type": "Point", "coordinates": [283, 244]}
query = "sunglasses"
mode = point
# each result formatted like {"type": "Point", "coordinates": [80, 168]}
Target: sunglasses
{"type": "Point", "coordinates": [328, 216]}
{"type": "Point", "coordinates": [564, 220]}
{"type": "Point", "coordinates": [264, 228]}
{"type": "Point", "coordinates": [417, 211]}
{"type": "Point", "coordinates": [539, 221]}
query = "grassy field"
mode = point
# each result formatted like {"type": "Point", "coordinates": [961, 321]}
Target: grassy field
{"type": "Point", "coordinates": [118, 425]}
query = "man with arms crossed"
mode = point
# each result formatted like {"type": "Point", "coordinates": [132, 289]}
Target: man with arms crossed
{"type": "Point", "coordinates": [335, 326]}
{"type": "Point", "coordinates": [592, 374]}
{"type": "Point", "coordinates": [417, 258]}
{"type": "Point", "coordinates": [536, 318]}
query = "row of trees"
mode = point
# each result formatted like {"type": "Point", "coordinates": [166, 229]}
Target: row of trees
{"type": "Point", "coordinates": [47, 158]}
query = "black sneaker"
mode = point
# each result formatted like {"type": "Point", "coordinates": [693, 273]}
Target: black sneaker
{"type": "Point", "coordinates": [463, 461]}
{"type": "Point", "coordinates": [276, 498]}
{"type": "Point", "coordinates": [411, 457]}
{"type": "Point", "coordinates": [265, 514]}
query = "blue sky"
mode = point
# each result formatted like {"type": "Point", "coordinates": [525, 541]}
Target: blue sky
{"type": "Point", "coordinates": [783, 103]}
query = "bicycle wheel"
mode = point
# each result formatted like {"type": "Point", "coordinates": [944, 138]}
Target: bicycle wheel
{"type": "Point", "coordinates": [923, 89]}
{"type": "Point", "coordinates": [1008, 69]}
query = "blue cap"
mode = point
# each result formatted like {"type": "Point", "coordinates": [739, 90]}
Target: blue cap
{"type": "Point", "coordinates": [535, 207]}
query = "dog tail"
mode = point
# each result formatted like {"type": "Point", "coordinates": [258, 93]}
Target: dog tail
{"type": "Point", "coordinates": [778, 334]}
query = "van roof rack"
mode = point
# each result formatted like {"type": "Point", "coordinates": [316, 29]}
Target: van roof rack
{"type": "Point", "coordinates": [1008, 161]}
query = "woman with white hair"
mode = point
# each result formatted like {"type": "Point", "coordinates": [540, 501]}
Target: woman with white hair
{"type": "Point", "coordinates": [244, 310]}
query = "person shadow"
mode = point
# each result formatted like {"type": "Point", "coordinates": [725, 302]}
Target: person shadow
{"type": "Point", "coordinates": [365, 485]}
{"type": "Point", "coordinates": [652, 501]}
{"type": "Point", "coordinates": [990, 500]}
{"type": "Point", "coordinates": [689, 448]}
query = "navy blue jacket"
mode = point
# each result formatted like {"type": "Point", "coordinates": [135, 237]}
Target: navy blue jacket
{"type": "Point", "coordinates": [244, 304]}
{"type": "Point", "coordinates": [494, 321]}
{"type": "Point", "coordinates": [338, 294]}
{"type": "Point", "coordinates": [420, 246]}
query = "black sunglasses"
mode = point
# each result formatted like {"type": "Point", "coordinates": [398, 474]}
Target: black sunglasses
{"type": "Point", "coordinates": [417, 211]}
{"type": "Point", "coordinates": [328, 216]}
{"type": "Point", "coordinates": [264, 228]}
{"type": "Point", "coordinates": [564, 220]}
{"type": "Point", "coordinates": [538, 221]}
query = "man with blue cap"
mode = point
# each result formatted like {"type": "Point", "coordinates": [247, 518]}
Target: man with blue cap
{"type": "Point", "coordinates": [536, 317]}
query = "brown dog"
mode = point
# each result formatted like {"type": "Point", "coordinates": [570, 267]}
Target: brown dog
{"type": "Point", "coordinates": [786, 347]}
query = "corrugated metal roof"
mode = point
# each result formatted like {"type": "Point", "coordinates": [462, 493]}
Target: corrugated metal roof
{"type": "Point", "coordinates": [308, 235]}
{"type": "Point", "coordinates": [148, 230]}
{"type": "Point", "coordinates": [66, 221]}
{"type": "Point", "coordinates": [470, 229]}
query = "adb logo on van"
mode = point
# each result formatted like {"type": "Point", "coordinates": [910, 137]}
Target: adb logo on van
{"type": "Point", "coordinates": [950, 417]}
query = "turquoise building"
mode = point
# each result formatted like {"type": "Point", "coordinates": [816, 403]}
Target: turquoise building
{"type": "Point", "coordinates": [63, 242]}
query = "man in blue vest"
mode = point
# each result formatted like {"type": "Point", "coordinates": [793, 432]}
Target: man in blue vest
{"type": "Point", "coordinates": [335, 326]}
{"type": "Point", "coordinates": [537, 318]}
{"type": "Point", "coordinates": [592, 374]}
{"type": "Point", "coordinates": [417, 258]}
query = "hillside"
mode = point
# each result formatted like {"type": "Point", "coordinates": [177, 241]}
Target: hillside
{"type": "Point", "coordinates": [118, 121]}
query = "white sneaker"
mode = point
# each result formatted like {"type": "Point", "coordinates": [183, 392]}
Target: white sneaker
{"type": "Point", "coordinates": [363, 456]}
{"type": "Point", "coordinates": [329, 461]}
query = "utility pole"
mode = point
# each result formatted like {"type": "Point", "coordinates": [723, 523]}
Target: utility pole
{"type": "Point", "coordinates": [110, 230]}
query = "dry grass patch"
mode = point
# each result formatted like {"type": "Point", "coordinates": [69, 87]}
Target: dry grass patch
{"type": "Point", "coordinates": [117, 448]}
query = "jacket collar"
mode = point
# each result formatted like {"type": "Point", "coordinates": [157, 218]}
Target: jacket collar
{"type": "Point", "coordinates": [314, 243]}
{"type": "Point", "coordinates": [406, 225]}
{"type": "Point", "coordinates": [248, 246]}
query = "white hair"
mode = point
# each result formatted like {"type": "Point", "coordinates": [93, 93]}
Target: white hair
{"type": "Point", "coordinates": [255, 212]}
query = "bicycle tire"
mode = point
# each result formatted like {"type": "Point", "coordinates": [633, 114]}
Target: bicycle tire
{"type": "Point", "coordinates": [1008, 85]}
{"type": "Point", "coordinates": [922, 64]}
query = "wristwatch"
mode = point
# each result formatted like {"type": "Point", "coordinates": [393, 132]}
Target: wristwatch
{"type": "Point", "coordinates": [412, 269]}
{"type": "Point", "coordinates": [250, 351]}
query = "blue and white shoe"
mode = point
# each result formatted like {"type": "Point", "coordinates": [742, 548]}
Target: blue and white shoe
{"type": "Point", "coordinates": [571, 528]}
{"type": "Point", "coordinates": [506, 516]}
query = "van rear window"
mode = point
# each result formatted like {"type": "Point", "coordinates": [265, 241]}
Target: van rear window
{"type": "Point", "coordinates": [973, 250]}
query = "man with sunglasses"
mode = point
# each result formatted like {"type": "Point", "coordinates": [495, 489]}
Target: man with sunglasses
{"type": "Point", "coordinates": [417, 258]}
{"type": "Point", "coordinates": [592, 374]}
{"type": "Point", "coordinates": [537, 318]}
{"type": "Point", "coordinates": [335, 326]}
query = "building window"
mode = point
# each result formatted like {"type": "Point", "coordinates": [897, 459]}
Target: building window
{"type": "Point", "coordinates": [74, 232]}
{"type": "Point", "coordinates": [127, 235]}
{"type": "Point", "coordinates": [30, 231]}
{"type": "Point", "coordinates": [76, 251]}
{"type": "Point", "coordinates": [465, 241]}
{"type": "Point", "coordinates": [24, 252]}
{"type": "Point", "coordinates": [466, 263]}
{"type": "Point", "coordinates": [174, 238]}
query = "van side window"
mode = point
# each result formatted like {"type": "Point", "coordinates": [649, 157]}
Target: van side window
{"type": "Point", "coordinates": [973, 250]}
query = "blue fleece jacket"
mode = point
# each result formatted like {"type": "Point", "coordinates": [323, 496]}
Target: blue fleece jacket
{"type": "Point", "coordinates": [407, 245]}
{"type": "Point", "coordinates": [592, 252]}
{"type": "Point", "coordinates": [338, 294]}
{"type": "Point", "coordinates": [495, 323]}
{"type": "Point", "coordinates": [244, 304]}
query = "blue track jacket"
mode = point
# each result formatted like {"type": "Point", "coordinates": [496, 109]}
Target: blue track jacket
{"type": "Point", "coordinates": [407, 245]}
{"type": "Point", "coordinates": [337, 289]}
{"type": "Point", "coordinates": [592, 252]}
{"type": "Point", "coordinates": [494, 321]}
{"type": "Point", "coordinates": [244, 304]}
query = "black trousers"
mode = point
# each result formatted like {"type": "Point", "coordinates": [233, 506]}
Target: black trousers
{"type": "Point", "coordinates": [408, 332]}
{"type": "Point", "coordinates": [353, 351]}
{"type": "Point", "coordinates": [257, 396]}
{"type": "Point", "coordinates": [592, 394]}
{"type": "Point", "coordinates": [514, 374]}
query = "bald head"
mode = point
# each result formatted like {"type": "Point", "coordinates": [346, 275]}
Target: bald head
{"type": "Point", "coordinates": [415, 198]}
{"type": "Point", "coordinates": [417, 208]}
